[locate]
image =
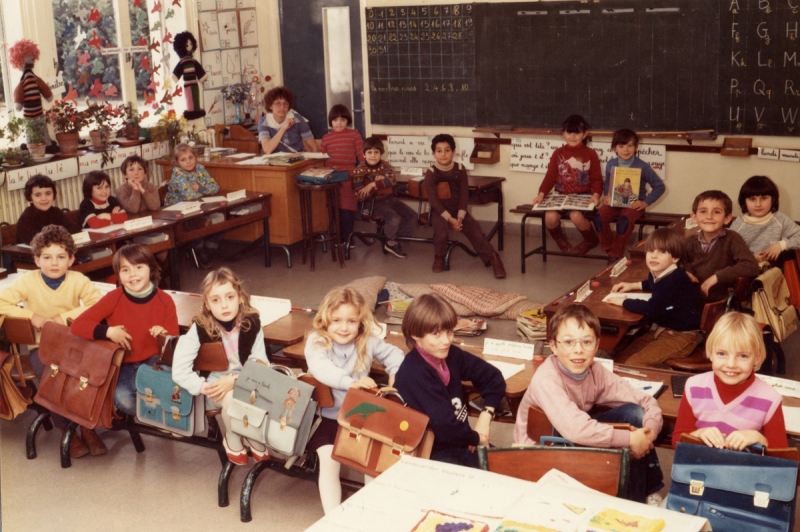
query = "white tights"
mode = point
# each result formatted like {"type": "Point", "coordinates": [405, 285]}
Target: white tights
{"type": "Point", "coordinates": [237, 441]}
{"type": "Point", "coordinates": [330, 487]}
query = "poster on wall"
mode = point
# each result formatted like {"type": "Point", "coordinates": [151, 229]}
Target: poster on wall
{"type": "Point", "coordinates": [228, 29]}
{"type": "Point", "coordinates": [206, 5]}
{"type": "Point", "coordinates": [212, 64]}
{"type": "Point", "coordinates": [245, 3]}
{"type": "Point", "coordinates": [231, 67]}
{"type": "Point", "coordinates": [247, 20]}
{"type": "Point", "coordinates": [209, 31]}
{"type": "Point", "coordinates": [411, 151]}
{"type": "Point", "coordinates": [250, 68]}
{"type": "Point", "coordinates": [214, 108]}
{"type": "Point", "coordinates": [226, 4]}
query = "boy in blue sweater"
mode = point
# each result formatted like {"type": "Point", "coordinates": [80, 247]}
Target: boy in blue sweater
{"type": "Point", "coordinates": [675, 307]}
{"type": "Point", "coordinates": [625, 144]}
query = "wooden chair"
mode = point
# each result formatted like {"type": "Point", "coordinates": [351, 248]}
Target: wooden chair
{"type": "Point", "coordinates": [541, 430]}
{"type": "Point", "coordinates": [605, 470]}
{"type": "Point", "coordinates": [20, 331]}
{"type": "Point", "coordinates": [698, 362]}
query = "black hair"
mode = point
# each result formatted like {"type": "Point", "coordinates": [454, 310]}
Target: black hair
{"type": "Point", "coordinates": [443, 137]}
{"type": "Point", "coordinates": [372, 143]}
{"type": "Point", "coordinates": [340, 111]}
{"type": "Point", "coordinates": [624, 136]}
{"type": "Point", "coordinates": [758, 185]}
{"type": "Point", "coordinates": [39, 181]}
{"type": "Point", "coordinates": [92, 179]}
{"type": "Point", "coordinates": [133, 159]}
{"type": "Point", "coordinates": [179, 43]}
{"type": "Point", "coordinates": [575, 124]}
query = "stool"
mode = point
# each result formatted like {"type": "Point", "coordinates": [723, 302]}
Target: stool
{"type": "Point", "coordinates": [331, 191]}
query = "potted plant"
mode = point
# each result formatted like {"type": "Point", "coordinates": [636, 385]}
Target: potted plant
{"type": "Point", "coordinates": [13, 155]}
{"type": "Point", "coordinates": [67, 123]}
{"type": "Point", "coordinates": [105, 117]}
{"type": "Point", "coordinates": [237, 94]}
{"type": "Point", "coordinates": [169, 128]}
{"type": "Point", "coordinates": [133, 122]}
{"type": "Point", "coordinates": [34, 130]}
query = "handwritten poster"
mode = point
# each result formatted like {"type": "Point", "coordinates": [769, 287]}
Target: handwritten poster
{"type": "Point", "coordinates": [231, 67]}
{"type": "Point", "coordinates": [249, 63]}
{"type": "Point", "coordinates": [249, 29]}
{"type": "Point", "coordinates": [790, 155]}
{"type": "Point", "coordinates": [212, 64]}
{"type": "Point", "coordinates": [57, 170]}
{"type": "Point", "coordinates": [228, 29]}
{"type": "Point", "coordinates": [155, 150]}
{"type": "Point", "coordinates": [416, 151]}
{"type": "Point", "coordinates": [89, 162]}
{"type": "Point", "coordinates": [226, 4]}
{"type": "Point", "coordinates": [209, 30]}
{"type": "Point", "coordinates": [214, 111]}
{"type": "Point", "coordinates": [245, 3]}
{"type": "Point", "coordinates": [532, 155]}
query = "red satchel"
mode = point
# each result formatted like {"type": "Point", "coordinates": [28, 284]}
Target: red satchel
{"type": "Point", "coordinates": [79, 377]}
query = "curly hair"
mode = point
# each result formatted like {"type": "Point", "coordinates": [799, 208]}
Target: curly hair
{"type": "Point", "coordinates": [279, 93]}
{"type": "Point", "coordinates": [20, 50]}
{"type": "Point", "coordinates": [179, 43]}
{"type": "Point", "coordinates": [52, 235]}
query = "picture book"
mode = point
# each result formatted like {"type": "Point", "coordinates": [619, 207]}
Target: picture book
{"type": "Point", "coordinates": [610, 520]}
{"type": "Point", "coordinates": [438, 522]}
{"type": "Point", "coordinates": [625, 186]}
{"type": "Point", "coordinates": [555, 202]}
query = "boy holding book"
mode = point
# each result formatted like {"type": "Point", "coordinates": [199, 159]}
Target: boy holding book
{"type": "Point", "coordinates": [625, 144]}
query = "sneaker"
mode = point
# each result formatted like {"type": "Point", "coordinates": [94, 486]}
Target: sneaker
{"type": "Point", "coordinates": [654, 499]}
{"type": "Point", "coordinates": [395, 250]}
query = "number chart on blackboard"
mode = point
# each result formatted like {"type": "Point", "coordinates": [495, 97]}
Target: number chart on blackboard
{"type": "Point", "coordinates": [421, 63]}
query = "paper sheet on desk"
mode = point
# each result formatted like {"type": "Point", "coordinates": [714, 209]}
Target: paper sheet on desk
{"type": "Point", "coordinates": [508, 370]}
{"type": "Point", "coordinates": [213, 199]}
{"type": "Point", "coordinates": [270, 309]}
{"type": "Point", "coordinates": [103, 288]}
{"type": "Point", "coordinates": [791, 418]}
{"type": "Point", "coordinates": [108, 229]}
{"type": "Point", "coordinates": [239, 155]}
{"type": "Point", "coordinates": [785, 387]}
{"type": "Point", "coordinates": [315, 155]}
{"type": "Point", "coordinates": [255, 161]}
{"type": "Point", "coordinates": [636, 295]}
{"type": "Point", "coordinates": [178, 206]}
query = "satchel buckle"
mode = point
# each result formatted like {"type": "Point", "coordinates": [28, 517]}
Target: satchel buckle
{"type": "Point", "coordinates": [355, 433]}
{"type": "Point", "coordinates": [84, 383]}
{"type": "Point", "coordinates": [176, 416]}
{"type": "Point", "coordinates": [397, 449]}
{"type": "Point", "coordinates": [245, 422]}
{"type": "Point", "coordinates": [149, 397]}
{"type": "Point", "coordinates": [761, 499]}
{"type": "Point", "coordinates": [696, 487]}
{"type": "Point", "coordinates": [253, 397]}
{"type": "Point", "coordinates": [53, 370]}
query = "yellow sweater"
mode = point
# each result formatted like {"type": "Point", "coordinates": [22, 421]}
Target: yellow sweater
{"type": "Point", "coordinates": [38, 298]}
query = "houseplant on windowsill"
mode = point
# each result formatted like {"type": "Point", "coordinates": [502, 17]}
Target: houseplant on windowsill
{"type": "Point", "coordinates": [34, 130]}
{"type": "Point", "coordinates": [169, 128]}
{"type": "Point", "coordinates": [67, 123]}
{"type": "Point", "coordinates": [13, 156]}
{"type": "Point", "coordinates": [133, 121]}
{"type": "Point", "coordinates": [106, 118]}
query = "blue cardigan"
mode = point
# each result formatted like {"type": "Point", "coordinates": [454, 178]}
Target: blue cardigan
{"type": "Point", "coordinates": [676, 303]}
{"type": "Point", "coordinates": [649, 177]}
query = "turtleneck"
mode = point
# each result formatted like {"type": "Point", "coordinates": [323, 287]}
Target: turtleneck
{"type": "Point", "coordinates": [755, 220]}
{"type": "Point", "coordinates": [438, 364]}
{"type": "Point", "coordinates": [144, 293]}
{"type": "Point", "coordinates": [625, 164]}
{"type": "Point", "coordinates": [576, 376]}
{"type": "Point", "coordinates": [442, 168]}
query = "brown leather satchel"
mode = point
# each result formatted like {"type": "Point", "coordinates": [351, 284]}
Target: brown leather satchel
{"type": "Point", "coordinates": [80, 376]}
{"type": "Point", "coordinates": [374, 432]}
{"type": "Point", "coordinates": [13, 399]}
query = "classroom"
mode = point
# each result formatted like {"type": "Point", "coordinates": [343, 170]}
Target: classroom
{"type": "Point", "coordinates": [714, 102]}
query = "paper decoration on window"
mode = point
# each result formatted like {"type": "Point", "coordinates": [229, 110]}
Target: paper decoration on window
{"type": "Point", "coordinates": [83, 59]}
{"type": "Point", "coordinates": [206, 5]}
{"type": "Point", "coordinates": [83, 79]}
{"type": "Point", "coordinates": [228, 29]}
{"type": "Point", "coordinates": [156, 7]}
{"type": "Point", "coordinates": [212, 64]}
{"type": "Point", "coordinates": [80, 36]}
{"type": "Point", "coordinates": [97, 89]}
{"type": "Point", "coordinates": [249, 63]}
{"type": "Point", "coordinates": [247, 19]}
{"type": "Point", "coordinates": [245, 3]}
{"type": "Point", "coordinates": [94, 15]}
{"type": "Point", "coordinates": [214, 108]}
{"type": "Point", "coordinates": [96, 41]}
{"type": "Point", "coordinates": [209, 31]}
{"type": "Point", "coordinates": [72, 95]}
{"type": "Point", "coordinates": [231, 67]}
{"type": "Point", "coordinates": [226, 4]}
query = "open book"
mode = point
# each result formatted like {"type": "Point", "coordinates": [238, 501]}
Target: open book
{"type": "Point", "coordinates": [555, 202]}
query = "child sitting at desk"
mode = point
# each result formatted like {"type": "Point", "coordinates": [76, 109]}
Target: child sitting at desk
{"type": "Point", "coordinates": [99, 208]}
{"type": "Point", "coordinates": [729, 407]}
{"type": "Point", "coordinates": [625, 143]}
{"type": "Point", "coordinates": [41, 192]}
{"type": "Point", "coordinates": [447, 187]}
{"type": "Point", "coordinates": [190, 181]}
{"type": "Point", "coordinates": [574, 169]}
{"type": "Point", "coordinates": [715, 257]}
{"type": "Point", "coordinates": [53, 293]}
{"type": "Point", "coordinates": [675, 307]}
{"type": "Point", "coordinates": [569, 384]}
{"type": "Point", "coordinates": [374, 177]}
{"type": "Point", "coordinates": [137, 194]}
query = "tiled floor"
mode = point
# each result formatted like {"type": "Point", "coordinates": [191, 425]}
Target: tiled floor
{"type": "Point", "coordinates": [172, 486]}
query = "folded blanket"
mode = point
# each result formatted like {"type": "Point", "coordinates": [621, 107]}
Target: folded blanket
{"type": "Point", "coordinates": [482, 301]}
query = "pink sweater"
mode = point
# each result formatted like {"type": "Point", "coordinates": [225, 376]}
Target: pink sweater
{"type": "Point", "coordinates": [567, 401]}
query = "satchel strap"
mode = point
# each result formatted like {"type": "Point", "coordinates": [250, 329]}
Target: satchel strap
{"type": "Point", "coordinates": [387, 395]}
{"type": "Point", "coordinates": [283, 369]}
{"type": "Point", "coordinates": [167, 348]}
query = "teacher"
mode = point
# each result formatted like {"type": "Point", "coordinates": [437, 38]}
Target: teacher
{"type": "Point", "coordinates": [283, 129]}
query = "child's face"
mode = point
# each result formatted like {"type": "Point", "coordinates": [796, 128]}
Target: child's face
{"type": "Point", "coordinates": [578, 357]}
{"type": "Point", "coordinates": [223, 302]}
{"type": "Point", "coordinates": [339, 124]}
{"type": "Point", "coordinates": [134, 173]}
{"type": "Point", "coordinates": [625, 151]}
{"type": "Point", "coordinates": [574, 139]}
{"type": "Point", "coordinates": [42, 198]}
{"type": "Point", "coordinates": [658, 261]}
{"type": "Point", "coordinates": [343, 327]}
{"type": "Point", "coordinates": [729, 365]}
{"type": "Point", "coordinates": [187, 161]}
{"type": "Point", "coordinates": [54, 261]}
{"type": "Point", "coordinates": [134, 277]}
{"type": "Point", "coordinates": [372, 156]}
{"type": "Point", "coordinates": [759, 206]}
{"type": "Point", "coordinates": [711, 217]}
{"type": "Point", "coordinates": [436, 344]}
{"type": "Point", "coordinates": [101, 192]}
{"type": "Point", "coordinates": [443, 154]}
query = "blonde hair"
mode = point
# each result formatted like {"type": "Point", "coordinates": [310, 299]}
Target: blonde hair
{"type": "Point", "coordinates": [428, 313]}
{"type": "Point", "coordinates": [337, 297]}
{"type": "Point", "coordinates": [206, 319]}
{"type": "Point", "coordinates": [180, 148]}
{"type": "Point", "coordinates": [743, 333]}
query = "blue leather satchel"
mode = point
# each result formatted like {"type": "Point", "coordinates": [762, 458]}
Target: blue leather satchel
{"type": "Point", "coordinates": [162, 403]}
{"type": "Point", "coordinates": [321, 176]}
{"type": "Point", "coordinates": [736, 491]}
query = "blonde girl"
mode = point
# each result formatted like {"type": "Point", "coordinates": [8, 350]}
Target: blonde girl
{"type": "Point", "coordinates": [339, 353]}
{"type": "Point", "coordinates": [227, 317]}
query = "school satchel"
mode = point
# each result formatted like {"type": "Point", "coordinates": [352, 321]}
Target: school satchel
{"type": "Point", "coordinates": [322, 176]}
{"type": "Point", "coordinates": [79, 376]}
{"type": "Point", "coordinates": [165, 405]}
{"type": "Point", "coordinates": [272, 406]}
{"type": "Point", "coordinates": [13, 399]}
{"type": "Point", "coordinates": [374, 432]}
{"type": "Point", "coordinates": [416, 188]}
{"type": "Point", "coordinates": [736, 491]}
{"type": "Point", "coordinates": [792, 275]}
{"type": "Point", "coordinates": [771, 303]}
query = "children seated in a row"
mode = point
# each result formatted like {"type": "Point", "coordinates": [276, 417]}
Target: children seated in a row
{"type": "Point", "coordinates": [41, 192]}
{"type": "Point", "coordinates": [99, 208]}
{"type": "Point", "coordinates": [53, 293]}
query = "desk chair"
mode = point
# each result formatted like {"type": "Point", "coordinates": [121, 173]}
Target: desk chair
{"type": "Point", "coordinates": [605, 470]}
{"type": "Point", "coordinates": [366, 211]}
{"type": "Point", "coordinates": [698, 362]}
{"type": "Point", "coordinates": [541, 429]}
{"type": "Point", "coordinates": [19, 331]}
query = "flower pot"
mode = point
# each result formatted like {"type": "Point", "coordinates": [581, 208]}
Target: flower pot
{"type": "Point", "coordinates": [37, 150]}
{"type": "Point", "coordinates": [68, 142]}
{"type": "Point", "coordinates": [99, 139]}
{"type": "Point", "coordinates": [132, 132]}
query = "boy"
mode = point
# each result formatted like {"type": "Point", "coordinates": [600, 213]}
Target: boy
{"type": "Point", "coordinates": [41, 192]}
{"type": "Point", "coordinates": [715, 257]}
{"type": "Point", "coordinates": [447, 187]}
{"type": "Point", "coordinates": [675, 308]}
{"type": "Point", "coordinates": [625, 143]}
{"type": "Point", "coordinates": [568, 385]}
{"type": "Point", "coordinates": [53, 293]}
{"type": "Point", "coordinates": [377, 179]}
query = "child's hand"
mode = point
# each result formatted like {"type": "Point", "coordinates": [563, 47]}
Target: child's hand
{"type": "Point", "coordinates": [38, 321]}
{"type": "Point", "coordinates": [119, 336]}
{"type": "Point", "coordinates": [537, 200]}
{"type": "Point", "coordinates": [711, 436]}
{"type": "Point", "coordinates": [195, 186]}
{"type": "Point", "coordinates": [155, 330]}
{"type": "Point", "coordinates": [638, 205]}
{"type": "Point", "coordinates": [692, 277]}
{"type": "Point", "coordinates": [641, 444]}
{"type": "Point", "coordinates": [217, 390]}
{"type": "Point", "coordinates": [455, 223]}
{"type": "Point", "coordinates": [769, 254]}
{"type": "Point", "coordinates": [616, 299]}
{"type": "Point", "coordinates": [104, 216]}
{"type": "Point", "coordinates": [364, 383]}
{"type": "Point", "coordinates": [365, 192]}
{"type": "Point", "coordinates": [482, 427]}
{"type": "Point", "coordinates": [596, 199]}
{"type": "Point", "coordinates": [624, 287]}
{"type": "Point", "coordinates": [706, 286]}
{"type": "Point", "coordinates": [739, 439]}
{"type": "Point", "coordinates": [116, 210]}
{"type": "Point", "coordinates": [605, 200]}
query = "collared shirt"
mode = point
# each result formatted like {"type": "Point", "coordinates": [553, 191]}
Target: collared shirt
{"type": "Point", "coordinates": [671, 268]}
{"type": "Point", "coordinates": [706, 246]}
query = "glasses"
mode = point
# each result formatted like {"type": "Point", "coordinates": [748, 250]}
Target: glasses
{"type": "Point", "coordinates": [571, 343]}
{"type": "Point", "coordinates": [280, 103]}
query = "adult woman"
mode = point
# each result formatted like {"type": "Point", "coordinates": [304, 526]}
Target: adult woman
{"type": "Point", "coordinates": [283, 129]}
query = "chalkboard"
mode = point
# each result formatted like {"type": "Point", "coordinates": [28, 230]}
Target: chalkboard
{"type": "Point", "coordinates": [647, 65]}
{"type": "Point", "coordinates": [421, 62]}
{"type": "Point", "coordinates": [759, 80]}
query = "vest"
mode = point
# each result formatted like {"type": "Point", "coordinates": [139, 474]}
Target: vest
{"type": "Point", "coordinates": [246, 338]}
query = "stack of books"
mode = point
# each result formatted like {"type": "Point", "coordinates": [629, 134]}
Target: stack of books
{"type": "Point", "coordinates": [396, 309]}
{"type": "Point", "coordinates": [532, 325]}
{"type": "Point", "coordinates": [470, 327]}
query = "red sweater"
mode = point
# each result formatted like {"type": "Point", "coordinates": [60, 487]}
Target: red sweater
{"type": "Point", "coordinates": [344, 148]}
{"type": "Point", "coordinates": [573, 171]}
{"type": "Point", "coordinates": [138, 315]}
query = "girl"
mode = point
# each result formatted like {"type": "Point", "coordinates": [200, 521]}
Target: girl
{"type": "Point", "coordinates": [283, 129]}
{"type": "Point", "coordinates": [429, 380]}
{"type": "Point", "coordinates": [190, 181]}
{"type": "Point", "coordinates": [339, 353]}
{"type": "Point", "coordinates": [132, 316]}
{"type": "Point", "coordinates": [137, 194]}
{"type": "Point", "coordinates": [729, 407]}
{"type": "Point", "coordinates": [99, 208]}
{"type": "Point", "coordinates": [574, 169]}
{"type": "Point", "coordinates": [227, 317]}
{"type": "Point", "coordinates": [767, 232]}
{"type": "Point", "coordinates": [343, 145]}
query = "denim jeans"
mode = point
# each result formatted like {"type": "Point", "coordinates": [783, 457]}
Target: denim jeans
{"type": "Point", "coordinates": [456, 455]}
{"type": "Point", "coordinates": [125, 393]}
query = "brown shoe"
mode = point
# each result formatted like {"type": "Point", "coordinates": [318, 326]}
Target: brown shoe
{"type": "Point", "coordinates": [93, 441]}
{"type": "Point", "coordinates": [561, 241]}
{"type": "Point", "coordinates": [438, 265]}
{"type": "Point", "coordinates": [497, 266]}
{"type": "Point", "coordinates": [590, 240]}
{"type": "Point", "coordinates": [77, 448]}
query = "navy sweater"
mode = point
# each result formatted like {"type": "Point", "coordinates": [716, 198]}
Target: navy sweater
{"type": "Point", "coordinates": [676, 303]}
{"type": "Point", "coordinates": [424, 391]}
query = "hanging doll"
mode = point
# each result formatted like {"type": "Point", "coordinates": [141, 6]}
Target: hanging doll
{"type": "Point", "coordinates": [28, 94]}
{"type": "Point", "coordinates": [192, 71]}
